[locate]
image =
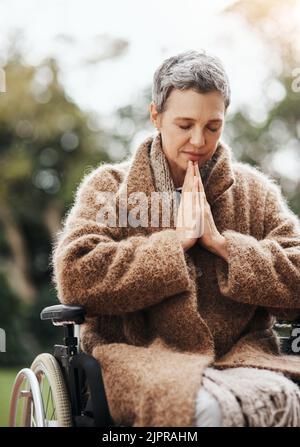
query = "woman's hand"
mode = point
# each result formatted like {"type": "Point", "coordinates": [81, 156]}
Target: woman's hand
{"type": "Point", "coordinates": [211, 238]}
{"type": "Point", "coordinates": [188, 226]}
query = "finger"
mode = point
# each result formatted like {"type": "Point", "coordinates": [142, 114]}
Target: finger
{"type": "Point", "coordinates": [187, 184]}
{"type": "Point", "coordinates": [195, 191]}
{"type": "Point", "coordinates": [197, 208]}
{"type": "Point", "coordinates": [191, 169]}
{"type": "Point", "coordinates": [191, 175]}
{"type": "Point", "coordinates": [193, 208]}
{"type": "Point", "coordinates": [198, 194]}
{"type": "Point", "coordinates": [201, 187]}
{"type": "Point", "coordinates": [187, 174]}
{"type": "Point", "coordinates": [197, 173]}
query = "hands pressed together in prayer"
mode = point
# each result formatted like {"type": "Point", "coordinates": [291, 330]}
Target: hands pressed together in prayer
{"type": "Point", "coordinates": [195, 223]}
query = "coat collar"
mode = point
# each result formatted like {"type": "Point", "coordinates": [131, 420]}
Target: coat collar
{"type": "Point", "coordinates": [219, 180]}
{"type": "Point", "coordinates": [221, 176]}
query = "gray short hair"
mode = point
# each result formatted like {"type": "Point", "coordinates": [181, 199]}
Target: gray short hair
{"type": "Point", "coordinates": [190, 69]}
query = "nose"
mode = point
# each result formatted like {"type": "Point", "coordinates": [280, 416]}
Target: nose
{"type": "Point", "coordinates": [197, 138]}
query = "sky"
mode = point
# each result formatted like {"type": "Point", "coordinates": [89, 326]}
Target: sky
{"type": "Point", "coordinates": [76, 32]}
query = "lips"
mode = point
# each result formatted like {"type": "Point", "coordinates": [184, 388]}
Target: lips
{"type": "Point", "coordinates": [193, 156]}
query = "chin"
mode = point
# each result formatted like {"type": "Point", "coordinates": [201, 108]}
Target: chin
{"type": "Point", "coordinates": [200, 162]}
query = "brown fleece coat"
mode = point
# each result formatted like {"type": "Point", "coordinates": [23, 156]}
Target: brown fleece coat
{"type": "Point", "coordinates": [157, 317]}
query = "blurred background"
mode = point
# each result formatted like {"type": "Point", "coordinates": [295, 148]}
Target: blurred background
{"type": "Point", "coordinates": [75, 87]}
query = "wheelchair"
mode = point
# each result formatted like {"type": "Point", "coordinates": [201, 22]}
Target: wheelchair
{"type": "Point", "coordinates": [66, 389]}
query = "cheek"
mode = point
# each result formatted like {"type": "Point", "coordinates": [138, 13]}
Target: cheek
{"type": "Point", "coordinates": [212, 140]}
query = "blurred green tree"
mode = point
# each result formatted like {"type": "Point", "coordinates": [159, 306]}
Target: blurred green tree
{"type": "Point", "coordinates": [47, 144]}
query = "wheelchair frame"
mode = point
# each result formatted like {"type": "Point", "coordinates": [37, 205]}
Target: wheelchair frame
{"type": "Point", "coordinates": [82, 373]}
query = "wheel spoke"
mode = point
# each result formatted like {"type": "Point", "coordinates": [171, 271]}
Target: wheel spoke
{"type": "Point", "coordinates": [47, 404]}
{"type": "Point", "coordinates": [42, 384]}
{"type": "Point", "coordinates": [53, 406]}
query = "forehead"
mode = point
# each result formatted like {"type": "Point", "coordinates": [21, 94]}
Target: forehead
{"type": "Point", "coordinates": [194, 105]}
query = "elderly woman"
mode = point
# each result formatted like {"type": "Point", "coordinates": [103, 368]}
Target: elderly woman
{"type": "Point", "coordinates": [180, 312]}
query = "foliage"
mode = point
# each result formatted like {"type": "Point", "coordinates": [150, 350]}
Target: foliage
{"type": "Point", "coordinates": [47, 144]}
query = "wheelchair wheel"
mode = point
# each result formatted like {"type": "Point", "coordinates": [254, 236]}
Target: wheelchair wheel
{"type": "Point", "coordinates": [24, 397]}
{"type": "Point", "coordinates": [54, 394]}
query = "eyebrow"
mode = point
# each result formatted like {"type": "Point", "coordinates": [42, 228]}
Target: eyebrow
{"type": "Point", "coordinates": [192, 119]}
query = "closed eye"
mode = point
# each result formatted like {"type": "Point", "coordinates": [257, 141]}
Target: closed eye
{"type": "Point", "coordinates": [209, 128]}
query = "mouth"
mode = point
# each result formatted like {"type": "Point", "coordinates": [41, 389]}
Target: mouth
{"type": "Point", "coordinates": [193, 156]}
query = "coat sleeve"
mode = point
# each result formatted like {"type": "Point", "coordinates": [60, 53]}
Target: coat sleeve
{"type": "Point", "coordinates": [92, 268]}
{"type": "Point", "coordinates": [265, 272]}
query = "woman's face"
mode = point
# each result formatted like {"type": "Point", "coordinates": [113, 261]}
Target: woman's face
{"type": "Point", "coordinates": [190, 126]}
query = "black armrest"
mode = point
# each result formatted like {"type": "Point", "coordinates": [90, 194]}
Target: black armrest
{"type": "Point", "coordinates": [61, 313]}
